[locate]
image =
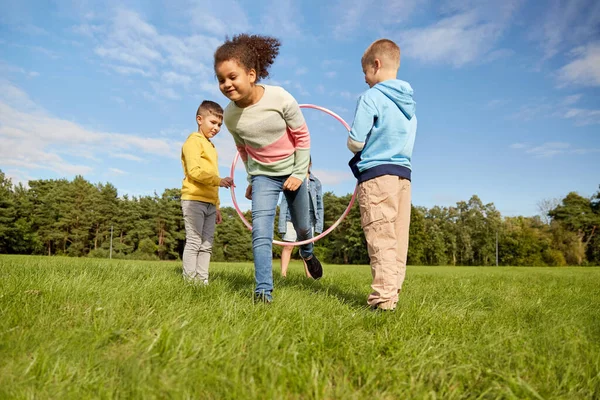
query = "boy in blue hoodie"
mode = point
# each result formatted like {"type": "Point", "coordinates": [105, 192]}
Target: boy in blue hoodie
{"type": "Point", "coordinates": [382, 138]}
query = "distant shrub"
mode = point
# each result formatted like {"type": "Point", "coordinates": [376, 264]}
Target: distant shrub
{"type": "Point", "coordinates": [99, 253]}
{"type": "Point", "coordinates": [554, 258]}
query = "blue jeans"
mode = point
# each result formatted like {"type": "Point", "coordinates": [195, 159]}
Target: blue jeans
{"type": "Point", "coordinates": [265, 196]}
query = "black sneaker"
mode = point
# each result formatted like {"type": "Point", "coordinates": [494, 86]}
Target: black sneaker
{"type": "Point", "coordinates": [314, 267]}
{"type": "Point", "coordinates": [262, 298]}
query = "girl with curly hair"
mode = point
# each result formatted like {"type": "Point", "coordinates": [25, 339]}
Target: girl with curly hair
{"type": "Point", "coordinates": [272, 138]}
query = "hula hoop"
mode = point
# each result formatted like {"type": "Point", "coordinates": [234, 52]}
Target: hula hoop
{"type": "Point", "coordinates": [322, 234]}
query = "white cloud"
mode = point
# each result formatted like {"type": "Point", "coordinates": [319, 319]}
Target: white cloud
{"type": "Point", "coordinates": [299, 88]}
{"type": "Point", "coordinates": [118, 99]}
{"type": "Point", "coordinates": [123, 70]}
{"type": "Point", "coordinates": [348, 95]}
{"type": "Point", "coordinates": [585, 151]}
{"type": "Point", "coordinates": [583, 117]}
{"type": "Point", "coordinates": [498, 54]}
{"type": "Point", "coordinates": [535, 110]}
{"type": "Point", "coordinates": [6, 68]}
{"type": "Point", "coordinates": [48, 53]}
{"type": "Point", "coordinates": [328, 177]}
{"type": "Point", "coordinates": [331, 74]}
{"type": "Point", "coordinates": [548, 149]}
{"type": "Point", "coordinates": [229, 17]}
{"type": "Point", "coordinates": [495, 103]}
{"type": "Point", "coordinates": [519, 146]}
{"type": "Point", "coordinates": [585, 69]}
{"type": "Point", "coordinates": [164, 91]}
{"type": "Point", "coordinates": [30, 138]}
{"type": "Point", "coordinates": [294, 87]}
{"type": "Point", "coordinates": [211, 88]}
{"type": "Point", "coordinates": [117, 171]}
{"type": "Point", "coordinates": [302, 71]}
{"type": "Point", "coordinates": [14, 95]}
{"type": "Point", "coordinates": [135, 47]}
{"type": "Point", "coordinates": [17, 176]}
{"type": "Point", "coordinates": [331, 63]}
{"type": "Point", "coordinates": [32, 29]}
{"type": "Point", "coordinates": [126, 156]}
{"type": "Point", "coordinates": [173, 78]}
{"type": "Point", "coordinates": [282, 17]}
{"type": "Point", "coordinates": [544, 108]}
{"type": "Point", "coordinates": [352, 16]}
{"type": "Point", "coordinates": [551, 149]}
{"type": "Point", "coordinates": [340, 110]}
{"type": "Point", "coordinates": [87, 29]}
{"type": "Point", "coordinates": [570, 100]}
{"type": "Point", "coordinates": [143, 57]}
{"type": "Point", "coordinates": [457, 40]}
{"type": "Point", "coordinates": [468, 33]}
{"type": "Point", "coordinates": [566, 24]}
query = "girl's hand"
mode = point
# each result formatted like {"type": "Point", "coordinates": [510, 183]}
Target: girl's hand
{"type": "Point", "coordinates": [249, 192]}
{"type": "Point", "coordinates": [292, 184]}
{"type": "Point", "coordinates": [219, 217]}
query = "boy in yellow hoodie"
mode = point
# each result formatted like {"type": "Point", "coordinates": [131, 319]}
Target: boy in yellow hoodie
{"type": "Point", "coordinates": [200, 192]}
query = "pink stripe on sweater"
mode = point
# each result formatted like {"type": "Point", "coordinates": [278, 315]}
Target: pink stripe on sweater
{"type": "Point", "coordinates": [301, 136]}
{"type": "Point", "coordinates": [283, 148]}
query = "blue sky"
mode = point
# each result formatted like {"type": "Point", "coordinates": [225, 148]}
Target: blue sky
{"type": "Point", "coordinates": [508, 92]}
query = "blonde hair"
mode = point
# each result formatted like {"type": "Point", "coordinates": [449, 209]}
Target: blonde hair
{"type": "Point", "coordinates": [385, 50]}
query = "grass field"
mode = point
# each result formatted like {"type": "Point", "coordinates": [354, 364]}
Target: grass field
{"type": "Point", "coordinates": [88, 328]}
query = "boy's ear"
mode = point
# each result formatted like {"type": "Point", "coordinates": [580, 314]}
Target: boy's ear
{"type": "Point", "coordinates": [377, 64]}
{"type": "Point", "coordinates": [199, 119]}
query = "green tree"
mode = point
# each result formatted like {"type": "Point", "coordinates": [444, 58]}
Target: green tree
{"type": "Point", "coordinates": [7, 214]}
{"type": "Point", "coordinates": [417, 241]}
{"type": "Point", "coordinates": [233, 241]}
{"type": "Point", "coordinates": [579, 215]}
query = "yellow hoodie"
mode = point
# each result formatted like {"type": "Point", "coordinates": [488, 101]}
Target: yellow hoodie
{"type": "Point", "coordinates": [199, 161]}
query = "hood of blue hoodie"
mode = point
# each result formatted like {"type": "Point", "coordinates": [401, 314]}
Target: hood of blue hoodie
{"type": "Point", "coordinates": [400, 92]}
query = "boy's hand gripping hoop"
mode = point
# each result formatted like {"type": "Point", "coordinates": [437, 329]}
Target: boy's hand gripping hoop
{"type": "Point", "coordinates": [322, 234]}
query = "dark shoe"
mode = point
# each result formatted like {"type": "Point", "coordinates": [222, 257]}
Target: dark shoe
{"type": "Point", "coordinates": [314, 267]}
{"type": "Point", "coordinates": [382, 307]}
{"type": "Point", "coordinates": [262, 298]}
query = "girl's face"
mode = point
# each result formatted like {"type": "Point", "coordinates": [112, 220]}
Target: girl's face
{"type": "Point", "coordinates": [234, 81]}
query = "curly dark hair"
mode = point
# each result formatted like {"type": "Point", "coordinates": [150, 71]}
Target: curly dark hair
{"type": "Point", "coordinates": [251, 52]}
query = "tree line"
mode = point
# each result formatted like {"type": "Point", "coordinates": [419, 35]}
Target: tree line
{"type": "Point", "coordinates": [76, 218]}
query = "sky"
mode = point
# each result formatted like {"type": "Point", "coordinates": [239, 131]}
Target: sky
{"type": "Point", "coordinates": [507, 92]}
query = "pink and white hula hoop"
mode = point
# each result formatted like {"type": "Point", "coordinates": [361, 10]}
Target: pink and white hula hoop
{"type": "Point", "coordinates": [322, 234]}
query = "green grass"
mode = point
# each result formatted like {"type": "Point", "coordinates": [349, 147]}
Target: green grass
{"type": "Point", "coordinates": [87, 328]}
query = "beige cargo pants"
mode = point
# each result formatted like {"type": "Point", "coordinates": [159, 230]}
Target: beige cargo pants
{"type": "Point", "coordinates": [385, 217]}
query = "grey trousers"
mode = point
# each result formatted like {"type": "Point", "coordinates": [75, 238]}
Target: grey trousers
{"type": "Point", "coordinates": [200, 220]}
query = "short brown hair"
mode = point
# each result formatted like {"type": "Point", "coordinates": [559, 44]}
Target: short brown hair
{"type": "Point", "coordinates": [385, 50]}
{"type": "Point", "coordinates": [210, 107]}
{"type": "Point", "coordinates": [251, 52]}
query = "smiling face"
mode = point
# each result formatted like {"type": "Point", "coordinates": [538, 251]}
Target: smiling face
{"type": "Point", "coordinates": [235, 82]}
{"type": "Point", "coordinates": [209, 125]}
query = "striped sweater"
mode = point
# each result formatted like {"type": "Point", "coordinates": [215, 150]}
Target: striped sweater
{"type": "Point", "coordinates": [271, 135]}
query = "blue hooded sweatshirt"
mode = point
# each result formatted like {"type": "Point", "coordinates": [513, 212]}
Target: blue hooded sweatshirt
{"type": "Point", "coordinates": [385, 122]}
